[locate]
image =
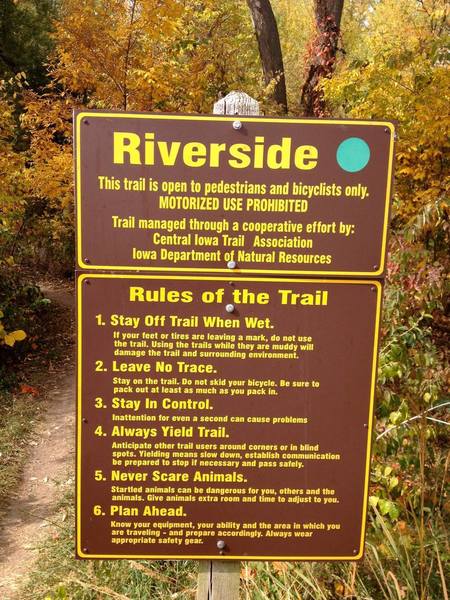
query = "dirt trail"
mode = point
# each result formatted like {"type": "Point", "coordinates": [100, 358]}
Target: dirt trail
{"type": "Point", "coordinates": [49, 466]}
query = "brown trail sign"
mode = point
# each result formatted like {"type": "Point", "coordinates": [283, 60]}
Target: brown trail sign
{"type": "Point", "coordinates": [198, 426]}
{"type": "Point", "coordinates": [196, 194]}
{"type": "Point", "coordinates": [227, 418]}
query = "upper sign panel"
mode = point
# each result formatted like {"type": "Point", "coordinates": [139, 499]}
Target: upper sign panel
{"type": "Point", "coordinates": [210, 194]}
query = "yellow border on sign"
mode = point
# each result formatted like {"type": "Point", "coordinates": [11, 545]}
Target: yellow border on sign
{"type": "Point", "coordinates": [162, 117]}
{"type": "Point", "coordinates": [360, 550]}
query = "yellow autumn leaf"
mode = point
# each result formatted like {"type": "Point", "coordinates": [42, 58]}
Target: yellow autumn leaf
{"type": "Point", "coordinates": [15, 336]}
{"type": "Point", "coordinates": [339, 588]}
{"type": "Point", "coordinates": [19, 335]}
{"type": "Point", "coordinates": [9, 339]}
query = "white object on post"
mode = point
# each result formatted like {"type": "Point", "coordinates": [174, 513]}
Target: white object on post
{"type": "Point", "coordinates": [236, 103]}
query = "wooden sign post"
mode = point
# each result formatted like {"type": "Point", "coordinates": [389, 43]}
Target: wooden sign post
{"type": "Point", "coordinates": [219, 580]}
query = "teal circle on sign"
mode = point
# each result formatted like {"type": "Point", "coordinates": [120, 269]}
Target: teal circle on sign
{"type": "Point", "coordinates": [353, 154]}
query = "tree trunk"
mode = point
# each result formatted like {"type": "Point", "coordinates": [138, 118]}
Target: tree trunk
{"type": "Point", "coordinates": [323, 55]}
{"type": "Point", "coordinates": [269, 48]}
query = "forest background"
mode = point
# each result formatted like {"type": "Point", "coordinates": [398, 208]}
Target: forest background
{"type": "Point", "coordinates": [390, 60]}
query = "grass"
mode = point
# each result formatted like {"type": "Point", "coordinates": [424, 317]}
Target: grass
{"type": "Point", "coordinates": [387, 572]}
{"type": "Point", "coordinates": [18, 415]}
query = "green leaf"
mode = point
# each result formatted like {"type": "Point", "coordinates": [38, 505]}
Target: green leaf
{"type": "Point", "coordinates": [385, 506]}
{"type": "Point", "coordinates": [395, 417]}
{"type": "Point", "coordinates": [394, 512]}
{"type": "Point", "coordinates": [373, 501]}
{"type": "Point", "coordinates": [393, 482]}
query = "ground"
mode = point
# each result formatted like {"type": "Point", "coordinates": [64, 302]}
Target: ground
{"type": "Point", "coordinates": [49, 468]}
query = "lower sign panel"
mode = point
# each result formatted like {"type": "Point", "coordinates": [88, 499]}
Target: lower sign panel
{"type": "Point", "coordinates": [223, 419]}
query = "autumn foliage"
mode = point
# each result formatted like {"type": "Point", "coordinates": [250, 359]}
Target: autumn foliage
{"type": "Point", "coordinates": [387, 60]}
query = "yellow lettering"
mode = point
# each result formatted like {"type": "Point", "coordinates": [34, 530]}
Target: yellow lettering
{"type": "Point", "coordinates": [126, 143]}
